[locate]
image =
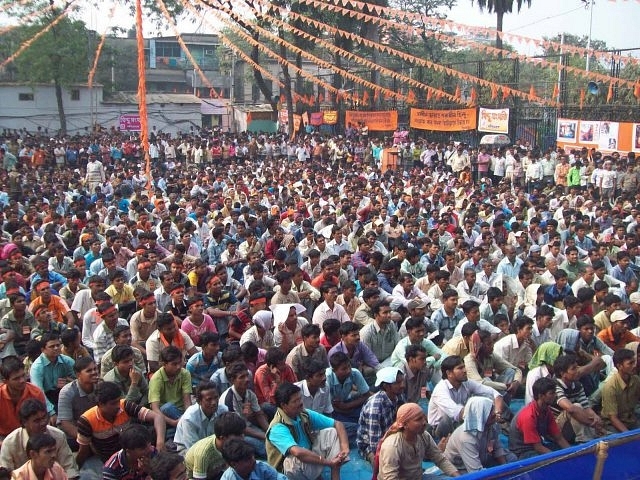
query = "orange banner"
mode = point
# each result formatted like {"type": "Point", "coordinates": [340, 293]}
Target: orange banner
{"type": "Point", "coordinates": [297, 120]}
{"type": "Point", "coordinates": [443, 120]}
{"type": "Point", "coordinates": [384, 121]}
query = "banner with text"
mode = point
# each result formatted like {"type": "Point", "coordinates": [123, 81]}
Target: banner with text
{"type": "Point", "coordinates": [443, 120]}
{"type": "Point", "coordinates": [384, 121]}
{"type": "Point", "coordinates": [130, 122]}
{"type": "Point", "coordinates": [493, 120]}
{"type": "Point", "coordinates": [330, 117]}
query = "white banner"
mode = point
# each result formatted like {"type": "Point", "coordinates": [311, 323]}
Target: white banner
{"type": "Point", "coordinates": [493, 120]}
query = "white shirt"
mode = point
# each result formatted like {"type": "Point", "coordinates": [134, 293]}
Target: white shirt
{"type": "Point", "coordinates": [320, 402]}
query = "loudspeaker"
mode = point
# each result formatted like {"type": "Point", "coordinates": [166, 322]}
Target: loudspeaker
{"type": "Point", "coordinates": [593, 88]}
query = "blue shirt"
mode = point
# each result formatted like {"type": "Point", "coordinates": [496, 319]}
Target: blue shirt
{"type": "Point", "coordinates": [446, 324]}
{"type": "Point", "coordinates": [506, 268]}
{"type": "Point", "coordinates": [45, 374]}
{"type": "Point", "coordinates": [553, 295]}
{"type": "Point", "coordinates": [194, 425]}
{"type": "Point", "coordinates": [262, 471]}
{"type": "Point", "coordinates": [353, 387]}
{"type": "Point", "coordinates": [361, 356]}
{"type": "Point", "coordinates": [625, 276]}
{"type": "Point", "coordinates": [200, 370]}
{"type": "Point", "coordinates": [281, 437]}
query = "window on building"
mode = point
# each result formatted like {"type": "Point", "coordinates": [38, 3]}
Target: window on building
{"type": "Point", "coordinates": [75, 94]}
{"type": "Point", "coordinates": [25, 97]}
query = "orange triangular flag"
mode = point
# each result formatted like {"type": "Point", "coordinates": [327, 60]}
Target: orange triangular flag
{"type": "Point", "coordinates": [411, 97]}
{"type": "Point", "coordinates": [532, 91]}
{"type": "Point", "coordinates": [505, 94]}
{"type": "Point", "coordinates": [610, 93]}
{"type": "Point", "coordinates": [556, 91]}
{"type": "Point", "coordinates": [494, 92]}
{"type": "Point", "coordinates": [474, 96]}
{"type": "Point", "coordinates": [457, 94]}
{"type": "Point", "coordinates": [429, 94]}
{"type": "Point", "coordinates": [376, 95]}
{"type": "Point", "coordinates": [582, 95]}
{"type": "Point", "coordinates": [365, 97]}
{"type": "Point", "coordinates": [636, 90]}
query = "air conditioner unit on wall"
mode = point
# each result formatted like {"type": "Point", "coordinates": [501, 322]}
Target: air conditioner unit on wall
{"type": "Point", "coordinates": [209, 52]}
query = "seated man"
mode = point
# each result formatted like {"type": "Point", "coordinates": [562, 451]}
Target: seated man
{"type": "Point", "coordinates": [416, 332]}
{"type": "Point", "coordinates": [415, 372]}
{"type": "Point", "coordinates": [241, 458]}
{"type": "Point", "coordinates": [290, 448]}
{"type": "Point", "coordinates": [122, 336]}
{"type": "Point", "coordinates": [360, 355]}
{"type": "Point", "coordinates": [199, 419]}
{"type": "Point", "coordinates": [348, 388]}
{"type": "Point", "coordinates": [240, 399]}
{"type": "Point", "coordinates": [13, 393]}
{"type": "Point", "coordinates": [534, 425]}
{"type": "Point", "coordinates": [621, 393]}
{"type": "Point", "coordinates": [268, 376]}
{"type": "Point", "coordinates": [381, 335]}
{"type": "Point", "coordinates": [205, 363]}
{"type": "Point", "coordinates": [313, 388]}
{"type": "Point", "coordinates": [99, 427]}
{"type": "Point", "coordinates": [129, 378]}
{"type": "Point", "coordinates": [51, 370]}
{"type": "Point", "coordinates": [170, 387]}
{"type": "Point", "coordinates": [310, 348]}
{"type": "Point", "coordinates": [35, 420]}
{"type": "Point", "coordinates": [515, 348]}
{"type": "Point", "coordinates": [576, 419]}
{"type": "Point", "coordinates": [167, 333]}
{"type": "Point", "coordinates": [618, 335]}
{"type": "Point", "coordinates": [132, 460]}
{"type": "Point", "coordinates": [204, 458]}
{"type": "Point", "coordinates": [446, 406]}
{"type": "Point", "coordinates": [77, 397]}
{"type": "Point", "coordinates": [379, 412]}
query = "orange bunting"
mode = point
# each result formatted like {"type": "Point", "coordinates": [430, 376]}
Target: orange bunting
{"type": "Point", "coordinates": [582, 96]}
{"type": "Point", "coordinates": [532, 91]}
{"type": "Point", "coordinates": [494, 92]}
{"type": "Point", "coordinates": [411, 97]}
{"type": "Point", "coordinates": [505, 94]}
{"type": "Point", "coordinates": [457, 93]}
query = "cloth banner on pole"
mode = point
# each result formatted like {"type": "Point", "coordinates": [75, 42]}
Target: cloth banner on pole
{"type": "Point", "coordinates": [383, 121]}
{"type": "Point", "coordinates": [443, 120]}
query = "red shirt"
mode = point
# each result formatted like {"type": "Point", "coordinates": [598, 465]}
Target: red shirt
{"type": "Point", "coordinates": [265, 382]}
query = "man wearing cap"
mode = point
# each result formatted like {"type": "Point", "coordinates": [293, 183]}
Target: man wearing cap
{"type": "Point", "coordinates": [379, 412]}
{"type": "Point", "coordinates": [618, 335]}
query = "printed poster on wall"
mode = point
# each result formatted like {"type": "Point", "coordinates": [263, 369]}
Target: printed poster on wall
{"type": "Point", "coordinates": [608, 136]}
{"type": "Point", "coordinates": [493, 120]}
{"type": "Point", "coordinates": [589, 132]}
{"type": "Point", "coordinates": [443, 120]}
{"type": "Point", "coordinates": [567, 130]}
{"type": "Point", "coordinates": [635, 138]}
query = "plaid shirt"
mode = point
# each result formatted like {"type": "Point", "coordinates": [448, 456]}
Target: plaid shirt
{"type": "Point", "coordinates": [375, 419]}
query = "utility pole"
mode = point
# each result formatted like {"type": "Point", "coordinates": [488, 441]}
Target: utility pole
{"type": "Point", "coordinates": [590, 5]}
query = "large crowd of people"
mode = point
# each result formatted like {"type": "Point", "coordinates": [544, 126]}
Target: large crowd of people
{"type": "Point", "coordinates": [248, 306]}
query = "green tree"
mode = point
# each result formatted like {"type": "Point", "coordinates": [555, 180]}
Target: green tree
{"type": "Point", "coordinates": [500, 7]}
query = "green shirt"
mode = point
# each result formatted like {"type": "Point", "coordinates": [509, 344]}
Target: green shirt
{"type": "Point", "coordinates": [203, 457]}
{"type": "Point", "coordinates": [620, 399]}
{"type": "Point", "coordinates": [164, 391]}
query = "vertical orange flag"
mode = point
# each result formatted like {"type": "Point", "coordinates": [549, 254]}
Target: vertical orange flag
{"type": "Point", "coordinates": [411, 97]}
{"type": "Point", "coordinates": [429, 94]}
{"type": "Point", "coordinates": [636, 91]}
{"type": "Point", "coordinates": [556, 91]}
{"type": "Point", "coordinates": [532, 91]}
{"type": "Point", "coordinates": [505, 94]}
{"type": "Point", "coordinates": [610, 92]}
{"type": "Point", "coordinates": [365, 97]}
{"type": "Point", "coordinates": [474, 96]}
{"type": "Point", "coordinates": [457, 93]}
{"type": "Point", "coordinates": [582, 95]}
{"type": "Point", "coordinates": [494, 92]}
